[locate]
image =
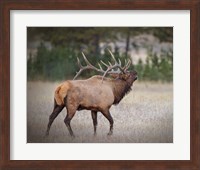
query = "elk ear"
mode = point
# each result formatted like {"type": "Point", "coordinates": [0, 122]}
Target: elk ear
{"type": "Point", "coordinates": [114, 75]}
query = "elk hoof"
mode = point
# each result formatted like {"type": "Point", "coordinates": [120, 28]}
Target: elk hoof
{"type": "Point", "coordinates": [72, 136]}
{"type": "Point", "coordinates": [47, 134]}
{"type": "Point", "coordinates": [110, 133]}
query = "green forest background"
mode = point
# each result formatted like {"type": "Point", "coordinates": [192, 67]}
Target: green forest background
{"type": "Point", "coordinates": [54, 58]}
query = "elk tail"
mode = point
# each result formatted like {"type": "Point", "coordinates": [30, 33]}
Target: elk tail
{"type": "Point", "coordinates": [61, 93]}
{"type": "Point", "coordinates": [57, 97]}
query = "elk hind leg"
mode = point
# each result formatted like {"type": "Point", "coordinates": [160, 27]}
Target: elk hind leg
{"type": "Point", "coordinates": [67, 120]}
{"type": "Point", "coordinates": [57, 109]}
{"type": "Point", "coordinates": [94, 118]}
{"type": "Point", "coordinates": [107, 114]}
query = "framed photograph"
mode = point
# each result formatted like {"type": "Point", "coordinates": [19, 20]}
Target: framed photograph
{"type": "Point", "coordinates": [100, 85]}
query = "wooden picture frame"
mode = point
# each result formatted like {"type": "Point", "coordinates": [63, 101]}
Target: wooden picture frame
{"type": "Point", "coordinates": [7, 6]}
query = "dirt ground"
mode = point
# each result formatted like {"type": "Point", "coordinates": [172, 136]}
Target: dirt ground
{"type": "Point", "coordinates": [145, 115]}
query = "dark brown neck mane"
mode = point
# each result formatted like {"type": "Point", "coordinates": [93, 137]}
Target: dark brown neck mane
{"type": "Point", "coordinates": [120, 89]}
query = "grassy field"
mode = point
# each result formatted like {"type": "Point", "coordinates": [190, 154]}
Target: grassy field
{"type": "Point", "coordinates": [145, 115]}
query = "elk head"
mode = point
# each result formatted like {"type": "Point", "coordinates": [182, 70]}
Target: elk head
{"type": "Point", "coordinates": [121, 73]}
{"type": "Point", "coordinates": [128, 76]}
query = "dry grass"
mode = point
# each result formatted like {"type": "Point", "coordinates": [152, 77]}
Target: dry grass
{"type": "Point", "coordinates": [145, 115]}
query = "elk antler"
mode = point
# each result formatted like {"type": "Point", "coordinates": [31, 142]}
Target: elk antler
{"type": "Point", "coordinates": [87, 67]}
{"type": "Point", "coordinates": [110, 67]}
{"type": "Point", "coordinates": [127, 65]}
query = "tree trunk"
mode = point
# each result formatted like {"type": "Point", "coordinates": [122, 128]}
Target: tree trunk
{"type": "Point", "coordinates": [96, 43]}
{"type": "Point", "coordinates": [127, 42]}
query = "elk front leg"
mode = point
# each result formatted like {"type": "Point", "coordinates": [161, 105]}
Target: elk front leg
{"type": "Point", "coordinates": [107, 114]}
{"type": "Point", "coordinates": [94, 118]}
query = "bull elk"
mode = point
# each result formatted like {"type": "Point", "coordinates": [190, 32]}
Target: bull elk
{"type": "Point", "coordinates": [97, 93]}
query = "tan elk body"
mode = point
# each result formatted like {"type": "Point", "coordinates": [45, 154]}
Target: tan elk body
{"type": "Point", "coordinates": [97, 93]}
